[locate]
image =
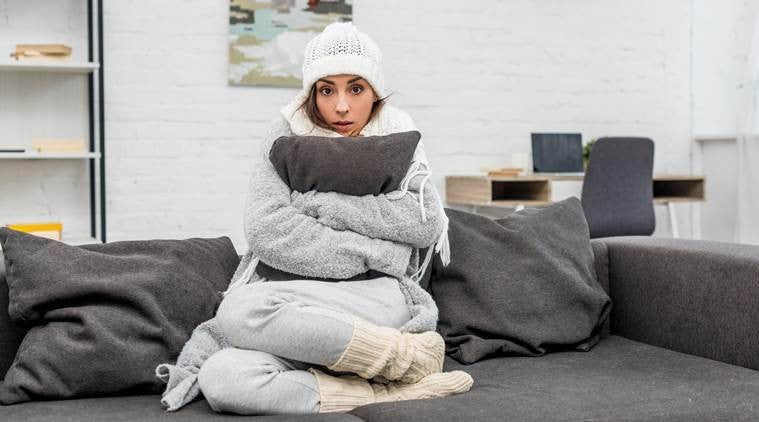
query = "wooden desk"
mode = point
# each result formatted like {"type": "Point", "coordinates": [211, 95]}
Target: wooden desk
{"type": "Point", "coordinates": [520, 191]}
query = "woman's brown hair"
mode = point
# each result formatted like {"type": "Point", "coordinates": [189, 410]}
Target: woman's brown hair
{"type": "Point", "coordinates": [309, 107]}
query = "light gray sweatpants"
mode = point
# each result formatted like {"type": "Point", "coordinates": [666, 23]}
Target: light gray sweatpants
{"type": "Point", "coordinates": [280, 329]}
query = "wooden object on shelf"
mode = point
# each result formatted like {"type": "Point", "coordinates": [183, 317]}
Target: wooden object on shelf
{"type": "Point", "coordinates": [502, 171]}
{"type": "Point", "coordinates": [42, 51]}
{"type": "Point", "coordinates": [51, 230]}
{"type": "Point", "coordinates": [536, 190]}
{"type": "Point", "coordinates": [59, 145]}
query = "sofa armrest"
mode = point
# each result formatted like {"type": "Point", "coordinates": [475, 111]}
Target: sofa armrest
{"type": "Point", "coordinates": [695, 297]}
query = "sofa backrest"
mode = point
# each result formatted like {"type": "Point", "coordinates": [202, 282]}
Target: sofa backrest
{"type": "Point", "coordinates": [10, 333]}
{"type": "Point", "coordinates": [601, 265]}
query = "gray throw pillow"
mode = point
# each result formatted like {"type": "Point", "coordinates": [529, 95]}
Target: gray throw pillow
{"type": "Point", "coordinates": [10, 332]}
{"type": "Point", "coordinates": [522, 285]}
{"type": "Point", "coordinates": [367, 165]}
{"type": "Point", "coordinates": [101, 317]}
{"type": "Point", "coordinates": [273, 274]}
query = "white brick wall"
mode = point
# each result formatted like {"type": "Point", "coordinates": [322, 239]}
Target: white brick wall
{"type": "Point", "coordinates": [723, 33]}
{"type": "Point", "coordinates": [478, 77]}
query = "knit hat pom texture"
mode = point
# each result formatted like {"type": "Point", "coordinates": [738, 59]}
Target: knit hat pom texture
{"type": "Point", "coordinates": [341, 49]}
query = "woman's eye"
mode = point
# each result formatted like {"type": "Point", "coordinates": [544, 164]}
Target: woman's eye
{"type": "Point", "coordinates": [325, 90]}
{"type": "Point", "coordinates": [357, 89]}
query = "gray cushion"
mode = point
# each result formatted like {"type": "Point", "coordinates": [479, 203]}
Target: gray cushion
{"type": "Point", "coordinates": [354, 166]}
{"type": "Point", "coordinates": [618, 380]}
{"type": "Point", "coordinates": [697, 297]}
{"type": "Point", "coordinates": [274, 274]}
{"type": "Point", "coordinates": [10, 332]}
{"type": "Point", "coordinates": [102, 317]}
{"type": "Point", "coordinates": [521, 285]}
{"type": "Point", "coordinates": [137, 408]}
{"type": "Point", "coordinates": [368, 165]}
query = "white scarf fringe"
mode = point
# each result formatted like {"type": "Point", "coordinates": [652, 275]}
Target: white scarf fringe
{"type": "Point", "coordinates": [442, 245]}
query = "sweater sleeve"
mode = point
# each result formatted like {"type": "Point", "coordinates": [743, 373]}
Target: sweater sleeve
{"type": "Point", "coordinates": [286, 238]}
{"type": "Point", "coordinates": [181, 378]}
{"type": "Point", "coordinates": [397, 220]}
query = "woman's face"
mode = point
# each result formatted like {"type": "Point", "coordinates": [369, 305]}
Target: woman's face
{"type": "Point", "coordinates": [345, 102]}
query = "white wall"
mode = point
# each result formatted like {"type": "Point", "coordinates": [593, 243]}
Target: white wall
{"type": "Point", "coordinates": [478, 77]}
{"type": "Point", "coordinates": [722, 41]}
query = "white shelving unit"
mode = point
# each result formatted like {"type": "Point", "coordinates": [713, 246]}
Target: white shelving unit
{"type": "Point", "coordinates": [41, 66]}
{"type": "Point", "coordinates": [61, 97]}
{"type": "Point", "coordinates": [48, 156]}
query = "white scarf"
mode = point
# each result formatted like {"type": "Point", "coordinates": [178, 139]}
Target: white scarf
{"type": "Point", "coordinates": [388, 120]}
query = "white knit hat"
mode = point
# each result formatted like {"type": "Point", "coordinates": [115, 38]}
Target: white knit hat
{"type": "Point", "coordinates": [341, 49]}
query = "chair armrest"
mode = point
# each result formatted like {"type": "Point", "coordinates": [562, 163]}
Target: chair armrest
{"type": "Point", "coordinates": [695, 297]}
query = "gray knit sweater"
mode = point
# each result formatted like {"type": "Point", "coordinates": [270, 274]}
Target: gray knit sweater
{"type": "Point", "coordinates": [325, 235]}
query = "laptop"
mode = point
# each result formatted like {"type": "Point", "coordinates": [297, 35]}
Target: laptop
{"type": "Point", "coordinates": [557, 154]}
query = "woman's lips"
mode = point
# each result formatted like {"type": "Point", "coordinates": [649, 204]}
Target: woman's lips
{"type": "Point", "coordinates": [342, 124]}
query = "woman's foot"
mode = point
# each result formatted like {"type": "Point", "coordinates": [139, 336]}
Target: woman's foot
{"type": "Point", "coordinates": [344, 393]}
{"type": "Point", "coordinates": [383, 351]}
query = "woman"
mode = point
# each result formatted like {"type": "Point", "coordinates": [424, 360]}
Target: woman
{"type": "Point", "coordinates": [307, 346]}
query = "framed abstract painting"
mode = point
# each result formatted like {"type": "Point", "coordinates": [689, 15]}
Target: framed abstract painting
{"type": "Point", "coordinates": [267, 38]}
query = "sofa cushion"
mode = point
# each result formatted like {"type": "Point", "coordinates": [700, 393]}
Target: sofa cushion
{"type": "Point", "coordinates": [521, 285]}
{"type": "Point", "coordinates": [618, 380]}
{"type": "Point", "coordinates": [10, 332]}
{"type": "Point", "coordinates": [694, 296]}
{"type": "Point", "coordinates": [102, 317]}
{"type": "Point", "coordinates": [367, 165]}
{"type": "Point", "coordinates": [145, 408]}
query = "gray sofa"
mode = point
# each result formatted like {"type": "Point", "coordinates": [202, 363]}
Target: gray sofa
{"type": "Point", "coordinates": [681, 345]}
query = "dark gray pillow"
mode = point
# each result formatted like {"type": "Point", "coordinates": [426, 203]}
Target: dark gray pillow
{"type": "Point", "coordinates": [367, 165]}
{"type": "Point", "coordinates": [102, 317]}
{"type": "Point", "coordinates": [521, 285]}
{"type": "Point", "coordinates": [273, 274]}
{"type": "Point", "coordinates": [10, 332]}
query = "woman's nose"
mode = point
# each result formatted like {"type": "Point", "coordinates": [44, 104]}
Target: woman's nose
{"type": "Point", "coordinates": [342, 105]}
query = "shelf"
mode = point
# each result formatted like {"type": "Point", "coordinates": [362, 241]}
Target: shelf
{"type": "Point", "coordinates": [47, 155]}
{"type": "Point", "coordinates": [712, 137]}
{"type": "Point", "coordinates": [80, 241]}
{"type": "Point", "coordinates": [55, 66]}
{"type": "Point", "coordinates": [537, 190]}
{"type": "Point", "coordinates": [63, 96]}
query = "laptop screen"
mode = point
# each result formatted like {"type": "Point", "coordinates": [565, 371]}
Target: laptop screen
{"type": "Point", "coordinates": [557, 152]}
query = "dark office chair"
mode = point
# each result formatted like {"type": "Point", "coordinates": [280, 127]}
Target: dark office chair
{"type": "Point", "coordinates": [617, 191]}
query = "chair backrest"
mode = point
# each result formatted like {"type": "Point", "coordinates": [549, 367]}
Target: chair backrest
{"type": "Point", "coordinates": [617, 191]}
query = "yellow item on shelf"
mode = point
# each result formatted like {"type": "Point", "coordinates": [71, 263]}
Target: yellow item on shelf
{"type": "Point", "coordinates": [47, 230]}
{"type": "Point", "coordinates": [58, 145]}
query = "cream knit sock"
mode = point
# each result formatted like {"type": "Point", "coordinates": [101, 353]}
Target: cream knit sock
{"type": "Point", "coordinates": [441, 384]}
{"type": "Point", "coordinates": [345, 393]}
{"type": "Point", "coordinates": [385, 351]}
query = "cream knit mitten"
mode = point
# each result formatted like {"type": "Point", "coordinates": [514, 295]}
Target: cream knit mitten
{"type": "Point", "coordinates": [345, 393]}
{"type": "Point", "coordinates": [385, 351]}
